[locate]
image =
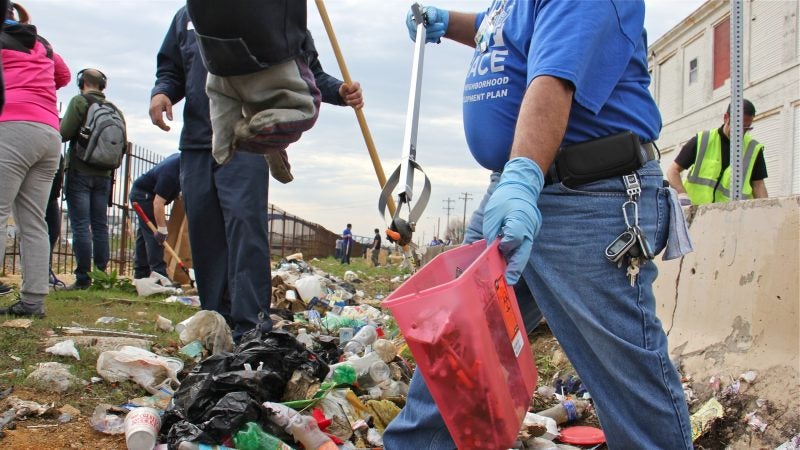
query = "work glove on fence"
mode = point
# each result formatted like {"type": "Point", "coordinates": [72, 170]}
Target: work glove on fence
{"type": "Point", "coordinates": [511, 212]}
{"type": "Point", "coordinates": [161, 235]}
{"type": "Point", "coordinates": [436, 24]}
{"type": "Point", "coordinates": [304, 428]}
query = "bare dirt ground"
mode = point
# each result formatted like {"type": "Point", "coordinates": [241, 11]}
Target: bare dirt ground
{"type": "Point", "coordinates": [47, 433]}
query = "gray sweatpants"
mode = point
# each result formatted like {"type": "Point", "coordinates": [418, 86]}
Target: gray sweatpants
{"type": "Point", "coordinates": [29, 154]}
{"type": "Point", "coordinates": [262, 112]}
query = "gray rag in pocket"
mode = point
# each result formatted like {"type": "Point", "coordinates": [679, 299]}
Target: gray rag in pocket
{"type": "Point", "coordinates": [678, 241]}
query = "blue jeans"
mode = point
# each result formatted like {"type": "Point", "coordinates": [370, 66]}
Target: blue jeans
{"type": "Point", "coordinates": [607, 328]}
{"type": "Point", "coordinates": [87, 206]}
{"type": "Point", "coordinates": [148, 253]}
{"type": "Point", "coordinates": [226, 208]}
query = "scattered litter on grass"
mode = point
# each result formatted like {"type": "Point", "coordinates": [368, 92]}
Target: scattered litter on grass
{"type": "Point", "coordinates": [18, 323]}
{"type": "Point", "coordinates": [64, 348]}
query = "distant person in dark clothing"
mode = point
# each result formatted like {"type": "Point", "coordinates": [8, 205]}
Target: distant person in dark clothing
{"type": "Point", "coordinates": [337, 249]}
{"type": "Point", "coordinates": [153, 191]}
{"type": "Point", "coordinates": [376, 247]}
{"type": "Point", "coordinates": [347, 243]}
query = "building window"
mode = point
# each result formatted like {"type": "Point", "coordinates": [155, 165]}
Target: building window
{"type": "Point", "coordinates": [722, 53]}
{"type": "Point", "coordinates": [693, 71]}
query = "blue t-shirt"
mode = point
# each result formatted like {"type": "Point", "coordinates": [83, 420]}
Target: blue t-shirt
{"type": "Point", "coordinates": [347, 236]}
{"type": "Point", "coordinates": [164, 179]}
{"type": "Point", "coordinates": [600, 46]}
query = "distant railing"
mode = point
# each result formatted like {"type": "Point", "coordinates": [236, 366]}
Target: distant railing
{"type": "Point", "coordinates": [288, 234]}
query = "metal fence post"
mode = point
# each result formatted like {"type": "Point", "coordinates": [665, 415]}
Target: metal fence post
{"type": "Point", "coordinates": [123, 240]}
{"type": "Point", "coordinates": [283, 236]}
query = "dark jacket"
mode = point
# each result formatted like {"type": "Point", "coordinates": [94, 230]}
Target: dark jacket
{"type": "Point", "coordinates": [3, 9]}
{"type": "Point", "coordinates": [180, 74]}
{"type": "Point", "coordinates": [239, 37]}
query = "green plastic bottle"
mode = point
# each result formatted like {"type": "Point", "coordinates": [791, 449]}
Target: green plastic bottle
{"type": "Point", "coordinates": [252, 437]}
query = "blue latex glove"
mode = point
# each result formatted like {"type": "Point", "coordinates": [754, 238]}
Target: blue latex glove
{"type": "Point", "coordinates": [436, 26]}
{"type": "Point", "coordinates": [512, 212]}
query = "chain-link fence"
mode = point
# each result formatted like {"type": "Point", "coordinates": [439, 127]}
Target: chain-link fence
{"type": "Point", "coordinates": [288, 234]}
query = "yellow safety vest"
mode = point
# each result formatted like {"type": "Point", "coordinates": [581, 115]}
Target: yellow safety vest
{"type": "Point", "coordinates": [704, 184]}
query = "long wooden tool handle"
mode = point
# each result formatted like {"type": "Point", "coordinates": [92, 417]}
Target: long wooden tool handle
{"type": "Point", "coordinates": [362, 121]}
{"type": "Point", "coordinates": [153, 228]}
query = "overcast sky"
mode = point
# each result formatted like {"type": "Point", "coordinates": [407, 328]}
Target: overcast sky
{"type": "Point", "coordinates": [334, 179]}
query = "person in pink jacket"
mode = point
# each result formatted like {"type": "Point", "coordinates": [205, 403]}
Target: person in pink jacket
{"type": "Point", "coordinates": [30, 145]}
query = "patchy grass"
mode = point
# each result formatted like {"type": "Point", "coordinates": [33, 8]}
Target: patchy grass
{"type": "Point", "coordinates": [83, 308]}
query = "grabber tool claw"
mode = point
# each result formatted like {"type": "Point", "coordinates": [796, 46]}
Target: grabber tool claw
{"type": "Point", "coordinates": [405, 217]}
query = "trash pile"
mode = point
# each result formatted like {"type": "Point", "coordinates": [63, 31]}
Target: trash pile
{"type": "Point", "coordinates": [329, 375]}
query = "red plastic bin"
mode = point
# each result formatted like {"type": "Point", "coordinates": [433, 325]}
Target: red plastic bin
{"type": "Point", "coordinates": [463, 325]}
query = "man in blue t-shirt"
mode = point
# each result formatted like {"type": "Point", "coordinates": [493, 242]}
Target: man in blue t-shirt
{"type": "Point", "coordinates": [546, 75]}
{"type": "Point", "coordinates": [347, 244]}
{"type": "Point", "coordinates": [153, 191]}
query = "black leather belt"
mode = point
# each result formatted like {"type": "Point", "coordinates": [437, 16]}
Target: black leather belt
{"type": "Point", "coordinates": [558, 172]}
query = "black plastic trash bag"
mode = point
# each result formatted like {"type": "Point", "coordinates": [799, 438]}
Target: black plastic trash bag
{"type": "Point", "coordinates": [220, 394]}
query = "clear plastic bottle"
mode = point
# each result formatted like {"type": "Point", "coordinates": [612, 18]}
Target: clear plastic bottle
{"type": "Point", "coordinates": [304, 338]}
{"type": "Point", "coordinates": [358, 344]}
{"type": "Point", "coordinates": [566, 411]}
{"type": "Point", "coordinates": [377, 373]}
{"type": "Point", "coordinates": [385, 349]}
{"type": "Point", "coordinates": [370, 370]}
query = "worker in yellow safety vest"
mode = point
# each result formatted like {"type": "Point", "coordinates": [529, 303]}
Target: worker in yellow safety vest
{"type": "Point", "coordinates": [707, 156]}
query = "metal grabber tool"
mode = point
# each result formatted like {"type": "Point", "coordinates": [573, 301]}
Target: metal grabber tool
{"type": "Point", "coordinates": [400, 229]}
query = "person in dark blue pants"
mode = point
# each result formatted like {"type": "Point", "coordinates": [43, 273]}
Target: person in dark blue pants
{"type": "Point", "coordinates": [153, 191]}
{"type": "Point", "coordinates": [226, 205]}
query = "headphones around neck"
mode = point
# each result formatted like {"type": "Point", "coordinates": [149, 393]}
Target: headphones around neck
{"type": "Point", "coordinates": [103, 79]}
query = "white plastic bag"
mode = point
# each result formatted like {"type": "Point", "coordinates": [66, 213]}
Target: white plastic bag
{"type": "Point", "coordinates": [155, 284]}
{"type": "Point", "coordinates": [210, 328]}
{"type": "Point", "coordinates": [145, 368]}
{"type": "Point", "coordinates": [64, 348]}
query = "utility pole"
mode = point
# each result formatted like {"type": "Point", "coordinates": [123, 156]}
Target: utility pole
{"type": "Point", "coordinates": [466, 196]}
{"type": "Point", "coordinates": [439, 227]}
{"type": "Point", "coordinates": [448, 208]}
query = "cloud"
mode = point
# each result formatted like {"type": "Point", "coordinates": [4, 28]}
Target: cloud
{"type": "Point", "coordinates": [335, 182]}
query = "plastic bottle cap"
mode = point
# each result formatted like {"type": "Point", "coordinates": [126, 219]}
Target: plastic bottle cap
{"type": "Point", "coordinates": [581, 435]}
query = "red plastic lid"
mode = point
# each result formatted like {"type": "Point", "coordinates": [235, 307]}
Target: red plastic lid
{"type": "Point", "coordinates": [582, 435]}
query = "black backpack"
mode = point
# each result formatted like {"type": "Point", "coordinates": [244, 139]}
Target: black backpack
{"type": "Point", "coordinates": [102, 140]}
